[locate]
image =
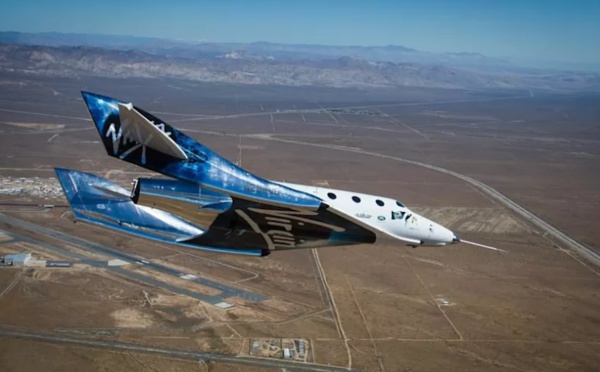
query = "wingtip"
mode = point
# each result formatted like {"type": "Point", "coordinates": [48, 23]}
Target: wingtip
{"type": "Point", "coordinates": [62, 172]}
{"type": "Point", "coordinates": [94, 97]}
{"type": "Point", "coordinates": [100, 108]}
{"type": "Point", "coordinates": [66, 183]}
{"type": "Point", "coordinates": [89, 96]}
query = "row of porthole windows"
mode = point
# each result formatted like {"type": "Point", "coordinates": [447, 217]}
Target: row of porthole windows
{"type": "Point", "coordinates": [356, 199]}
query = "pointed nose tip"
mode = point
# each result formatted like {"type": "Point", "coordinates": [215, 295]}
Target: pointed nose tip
{"type": "Point", "coordinates": [456, 238]}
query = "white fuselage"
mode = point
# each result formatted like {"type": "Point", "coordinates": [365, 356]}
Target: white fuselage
{"type": "Point", "coordinates": [388, 217]}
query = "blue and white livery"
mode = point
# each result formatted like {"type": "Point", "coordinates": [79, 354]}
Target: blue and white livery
{"type": "Point", "coordinates": [207, 202]}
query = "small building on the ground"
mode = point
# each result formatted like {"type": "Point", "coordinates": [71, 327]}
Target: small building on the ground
{"type": "Point", "coordinates": [17, 259]}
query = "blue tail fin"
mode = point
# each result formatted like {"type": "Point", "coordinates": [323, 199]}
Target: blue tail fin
{"type": "Point", "coordinates": [176, 155]}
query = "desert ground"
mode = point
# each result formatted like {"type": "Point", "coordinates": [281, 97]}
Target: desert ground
{"type": "Point", "coordinates": [385, 307]}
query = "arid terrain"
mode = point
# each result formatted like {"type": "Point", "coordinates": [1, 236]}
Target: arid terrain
{"type": "Point", "coordinates": [370, 308]}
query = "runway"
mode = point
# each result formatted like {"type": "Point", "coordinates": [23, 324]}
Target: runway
{"type": "Point", "coordinates": [226, 291]}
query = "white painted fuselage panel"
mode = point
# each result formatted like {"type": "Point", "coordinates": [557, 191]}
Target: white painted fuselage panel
{"type": "Point", "coordinates": [384, 216]}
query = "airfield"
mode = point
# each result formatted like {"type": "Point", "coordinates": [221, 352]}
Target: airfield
{"type": "Point", "coordinates": [368, 308]}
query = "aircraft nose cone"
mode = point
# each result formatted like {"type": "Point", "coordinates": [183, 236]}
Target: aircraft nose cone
{"type": "Point", "coordinates": [456, 238]}
{"type": "Point", "coordinates": [441, 235]}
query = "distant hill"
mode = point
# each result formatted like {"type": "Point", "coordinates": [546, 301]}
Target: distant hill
{"type": "Point", "coordinates": [181, 49]}
{"type": "Point", "coordinates": [71, 55]}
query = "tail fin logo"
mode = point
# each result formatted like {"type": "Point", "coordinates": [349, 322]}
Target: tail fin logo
{"type": "Point", "coordinates": [116, 135]}
{"type": "Point", "coordinates": [124, 142]}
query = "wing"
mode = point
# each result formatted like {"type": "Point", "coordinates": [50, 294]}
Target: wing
{"type": "Point", "coordinates": [273, 228]}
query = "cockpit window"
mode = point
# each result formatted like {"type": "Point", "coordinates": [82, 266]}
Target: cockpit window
{"type": "Point", "coordinates": [399, 204]}
{"type": "Point", "coordinates": [397, 215]}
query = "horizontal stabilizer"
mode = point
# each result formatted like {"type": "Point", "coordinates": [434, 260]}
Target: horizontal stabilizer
{"type": "Point", "coordinates": [98, 201]}
{"type": "Point", "coordinates": [139, 129]}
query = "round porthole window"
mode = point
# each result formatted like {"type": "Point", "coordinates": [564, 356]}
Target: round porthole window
{"type": "Point", "coordinates": [356, 199]}
{"type": "Point", "coordinates": [331, 195]}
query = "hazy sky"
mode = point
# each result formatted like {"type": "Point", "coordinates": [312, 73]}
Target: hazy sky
{"type": "Point", "coordinates": [551, 30]}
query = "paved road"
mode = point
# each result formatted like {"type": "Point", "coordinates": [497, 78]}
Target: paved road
{"type": "Point", "coordinates": [173, 353]}
{"type": "Point", "coordinates": [226, 291]}
{"type": "Point", "coordinates": [585, 251]}
{"type": "Point", "coordinates": [326, 109]}
{"type": "Point", "coordinates": [119, 270]}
